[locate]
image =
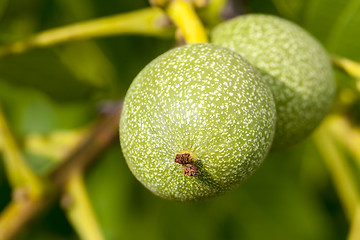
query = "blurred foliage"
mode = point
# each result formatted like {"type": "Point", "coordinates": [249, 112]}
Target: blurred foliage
{"type": "Point", "coordinates": [60, 88]}
{"type": "Point", "coordinates": [290, 197]}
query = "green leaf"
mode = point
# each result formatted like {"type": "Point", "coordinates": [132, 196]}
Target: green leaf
{"type": "Point", "coordinates": [79, 10]}
{"type": "Point", "coordinates": [43, 70]}
{"type": "Point", "coordinates": [88, 63]}
{"type": "Point", "coordinates": [31, 111]}
{"type": "Point", "coordinates": [344, 38]}
{"type": "Point", "coordinates": [85, 59]}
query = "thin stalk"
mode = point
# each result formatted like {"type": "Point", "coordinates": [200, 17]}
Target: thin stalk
{"type": "Point", "coordinates": [149, 21]}
{"type": "Point", "coordinates": [183, 14]}
{"type": "Point", "coordinates": [20, 175]}
{"type": "Point", "coordinates": [339, 170]}
{"type": "Point", "coordinates": [79, 210]}
{"type": "Point", "coordinates": [347, 135]}
{"type": "Point", "coordinates": [354, 233]}
{"type": "Point", "coordinates": [350, 67]}
{"type": "Point", "coordinates": [16, 215]}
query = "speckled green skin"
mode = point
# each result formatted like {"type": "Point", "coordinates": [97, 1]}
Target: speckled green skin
{"type": "Point", "coordinates": [301, 75]}
{"type": "Point", "coordinates": [205, 100]}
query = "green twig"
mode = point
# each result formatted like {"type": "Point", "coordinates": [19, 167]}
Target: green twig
{"type": "Point", "coordinates": [347, 65]}
{"type": "Point", "coordinates": [149, 21]}
{"type": "Point", "coordinates": [79, 210]}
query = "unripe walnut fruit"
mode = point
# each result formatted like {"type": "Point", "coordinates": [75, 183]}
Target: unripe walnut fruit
{"type": "Point", "coordinates": [294, 64]}
{"type": "Point", "coordinates": [197, 121]}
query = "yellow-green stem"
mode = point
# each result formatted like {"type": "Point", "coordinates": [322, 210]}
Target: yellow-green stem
{"type": "Point", "coordinates": [349, 138]}
{"type": "Point", "coordinates": [352, 68]}
{"type": "Point", "coordinates": [347, 135]}
{"type": "Point", "coordinates": [20, 175]}
{"type": "Point", "coordinates": [79, 210]}
{"type": "Point", "coordinates": [354, 233]}
{"type": "Point", "coordinates": [185, 18]}
{"type": "Point", "coordinates": [7, 217]}
{"type": "Point", "coordinates": [149, 21]}
{"type": "Point", "coordinates": [56, 145]}
{"type": "Point", "coordinates": [15, 215]}
{"type": "Point", "coordinates": [337, 164]}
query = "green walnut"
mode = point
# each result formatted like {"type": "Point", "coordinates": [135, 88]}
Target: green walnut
{"type": "Point", "coordinates": [294, 64]}
{"type": "Point", "coordinates": [196, 122]}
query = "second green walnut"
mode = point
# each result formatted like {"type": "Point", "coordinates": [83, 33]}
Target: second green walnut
{"type": "Point", "coordinates": [294, 64]}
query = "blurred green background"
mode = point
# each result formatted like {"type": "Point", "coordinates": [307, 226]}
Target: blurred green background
{"type": "Point", "coordinates": [290, 197]}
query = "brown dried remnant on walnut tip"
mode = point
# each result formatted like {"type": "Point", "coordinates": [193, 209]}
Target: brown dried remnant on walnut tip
{"type": "Point", "coordinates": [183, 159]}
{"type": "Point", "coordinates": [190, 170]}
{"type": "Point", "coordinates": [186, 161]}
